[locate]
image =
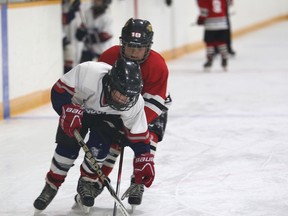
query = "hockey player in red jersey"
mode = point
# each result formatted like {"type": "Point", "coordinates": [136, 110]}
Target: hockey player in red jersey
{"type": "Point", "coordinates": [213, 15]}
{"type": "Point", "coordinates": [90, 98]}
{"type": "Point", "coordinates": [136, 41]}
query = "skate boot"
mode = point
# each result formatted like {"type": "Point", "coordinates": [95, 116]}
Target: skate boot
{"type": "Point", "coordinates": [231, 52]}
{"type": "Point", "coordinates": [44, 199]}
{"type": "Point", "coordinates": [87, 192]}
{"type": "Point", "coordinates": [135, 196]}
{"type": "Point", "coordinates": [224, 64]}
{"type": "Point", "coordinates": [207, 65]}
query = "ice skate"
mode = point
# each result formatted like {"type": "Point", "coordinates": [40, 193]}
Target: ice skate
{"type": "Point", "coordinates": [231, 52]}
{"type": "Point", "coordinates": [87, 192]}
{"type": "Point", "coordinates": [207, 66]}
{"type": "Point", "coordinates": [45, 198]}
{"type": "Point", "coordinates": [224, 64]}
{"type": "Point", "coordinates": [79, 204]}
{"type": "Point", "coordinates": [136, 194]}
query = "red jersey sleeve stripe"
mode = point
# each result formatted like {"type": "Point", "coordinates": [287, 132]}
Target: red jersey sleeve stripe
{"type": "Point", "coordinates": [61, 87]}
{"type": "Point", "coordinates": [142, 137]}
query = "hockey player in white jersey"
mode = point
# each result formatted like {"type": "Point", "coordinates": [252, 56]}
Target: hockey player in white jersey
{"type": "Point", "coordinates": [96, 30]}
{"type": "Point", "coordinates": [87, 98]}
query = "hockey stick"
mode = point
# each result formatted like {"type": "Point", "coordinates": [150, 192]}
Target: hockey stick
{"type": "Point", "coordinates": [99, 172]}
{"type": "Point", "coordinates": [119, 178]}
{"type": "Point", "coordinates": [129, 191]}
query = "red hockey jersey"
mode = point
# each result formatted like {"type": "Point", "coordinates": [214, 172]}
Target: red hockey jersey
{"type": "Point", "coordinates": [155, 77]}
{"type": "Point", "coordinates": [214, 14]}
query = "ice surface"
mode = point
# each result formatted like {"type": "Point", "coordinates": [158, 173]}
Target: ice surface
{"type": "Point", "coordinates": [225, 151]}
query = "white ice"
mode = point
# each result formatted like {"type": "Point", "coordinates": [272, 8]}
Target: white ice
{"type": "Point", "coordinates": [225, 151]}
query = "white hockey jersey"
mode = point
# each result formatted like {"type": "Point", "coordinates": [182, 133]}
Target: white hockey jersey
{"type": "Point", "coordinates": [84, 84]}
{"type": "Point", "coordinates": [96, 26]}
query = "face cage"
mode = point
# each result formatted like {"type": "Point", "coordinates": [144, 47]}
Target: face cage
{"type": "Point", "coordinates": [122, 107]}
{"type": "Point", "coordinates": [117, 106]}
{"type": "Point", "coordinates": [134, 45]}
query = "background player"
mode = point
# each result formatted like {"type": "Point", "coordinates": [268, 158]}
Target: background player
{"type": "Point", "coordinates": [213, 15]}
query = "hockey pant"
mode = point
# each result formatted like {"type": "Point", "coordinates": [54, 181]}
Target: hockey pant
{"type": "Point", "coordinates": [67, 150]}
{"type": "Point", "coordinates": [216, 39]}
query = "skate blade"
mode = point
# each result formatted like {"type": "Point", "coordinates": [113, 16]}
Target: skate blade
{"type": "Point", "coordinates": [78, 205]}
{"type": "Point", "coordinates": [37, 212]}
{"type": "Point", "coordinates": [133, 207]}
{"type": "Point", "coordinates": [225, 69]}
{"type": "Point", "coordinates": [207, 69]}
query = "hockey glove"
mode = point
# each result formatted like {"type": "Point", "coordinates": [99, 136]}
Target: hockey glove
{"type": "Point", "coordinates": [71, 118]}
{"type": "Point", "coordinates": [81, 32]}
{"type": "Point", "coordinates": [200, 20]}
{"type": "Point", "coordinates": [144, 169]}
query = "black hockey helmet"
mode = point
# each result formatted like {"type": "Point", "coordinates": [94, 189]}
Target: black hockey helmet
{"type": "Point", "coordinates": [100, 9]}
{"type": "Point", "coordinates": [137, 33]}
{"type": "Point", "coordinates": [124, 77]}
{"type": "Point", "coordinates": [104, 2]}
{"type": "Point", "coordinates": [107, 2]}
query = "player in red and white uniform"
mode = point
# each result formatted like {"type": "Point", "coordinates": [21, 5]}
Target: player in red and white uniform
{"type": "Point", "coordinates": [213, 15]}
{"type": "Point", "coordinates": [136, 41]}
{"type": "Point", "coordinates": [90, 98]}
